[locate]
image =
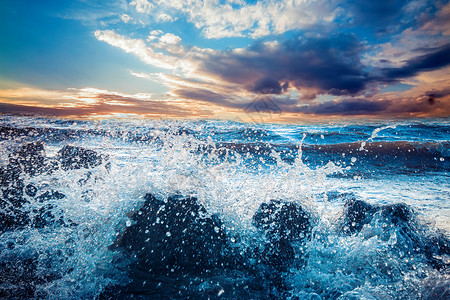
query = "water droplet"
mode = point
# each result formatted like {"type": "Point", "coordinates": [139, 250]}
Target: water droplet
{"type": "Point", "coordinates": [168, 233]}
{"type": "Point", "coordinates": [128, 223]}
{"type": "Point", "coordinates": [441, 159]}
{"type": "Point", "coordinates": [353, 159]}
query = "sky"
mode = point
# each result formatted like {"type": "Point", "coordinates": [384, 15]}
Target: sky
{"type": "Point", "coordinates": [267, 60]}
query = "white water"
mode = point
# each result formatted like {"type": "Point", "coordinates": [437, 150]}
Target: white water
{"type": "Point", "coordinates": [99, 200]}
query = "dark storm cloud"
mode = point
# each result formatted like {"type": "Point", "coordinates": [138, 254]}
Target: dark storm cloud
{"type": "Point", "coordinates": [386, 17]}
{"type": "Point", "coordinates": [435, 59]}
{"type": "Point", "coordinates": [438, 94]}
{"type": "Point", "coordinates": [341, 107]}
{"type": "Point", "coordinates": [268, 85]}
{"type": "Point", "coordinates": [331, 65]}
{"type": "Point", "coordinates": [347, 107]}
{"type": "Point", "coordinates": [314, 65]}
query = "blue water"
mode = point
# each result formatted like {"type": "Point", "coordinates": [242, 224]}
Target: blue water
{"type": "Point", "coordinates": [231, 168]}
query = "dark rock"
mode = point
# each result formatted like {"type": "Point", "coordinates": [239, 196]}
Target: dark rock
{"type": "Point", "coordinates": [441, 244]}
{"type": "Point", "coordinates": [31, 190]}
{"type": "Point", "coordinates": [9, 175]}
{"type": "Point", "coordinates": [14, 195]}
{"type": "Point", "coordinates": [173, 236]}
{"type": "Point", "coordinates": [282, 223]}
{"type": "Point", "coordinates": [22, 272]}
{"type": "Point", "coordinates": [357, 213]}
{"type": "Point", "coordinates": [412, 237]}
{"type": "Point", "coordinates": [29, 158]}
{"type": "Point", "coordinates": [279, 254]}
{"type": "Point", "coordinates": [282, 220]}
{"type": "Point", "coordinates": [43, 217]}
{"type": "Point", "coordinates": [48, 215]}
{"type": "Point", "coordinates": [71, 157]}
{"type": "Point", "coordinates": [11, 218]}
{"type": "Point", "coordinates": [19, 274]}
{"type": "Point", "coordinates": [397, 213]}
{"type": "Point", "coordinates": [436, 290]}
{"type": "Point", "coordinates": [50, 195]}
{"type": "Point", "coordinates": [177, 250]}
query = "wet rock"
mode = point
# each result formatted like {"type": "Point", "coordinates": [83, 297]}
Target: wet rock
{"type": "Point", "coordinates": [71, 157]}
{"type": "Point", "coordinates": [29, 158]}
{"type": "Point", "coordinates": [31, 190]}
{"type": "Point", "coordinates": [279, 254]}
{"type": "Point", "coordinates": [356, 214]}
{"type": "Point", "coordinates": [14, 194]}
{"type": "Point", "coordinates": [178, 251]}
{"type": "Point", "coordinates": [8, 176]}
{"type": "Point", "coordinates": [412, 238]}
{"type": "Point", "coordinates": [175, 235]}
{"type": "Point", "coordinates": [282, 221]}
{"type": "Point", "coordinates": [22, 272]}
{"type": "Point", "coordinates": [50, 195]}
{"type": "Point", "coordinates": [43, 217]}
{"type": "Point", "coordinates": [433, 290]}
{"type": "Point", "coordinates": [19, 274]}
{"type": "Point", "coordinates": [11, 218]}
{"type": "Point", "coordinates": [398, 213]}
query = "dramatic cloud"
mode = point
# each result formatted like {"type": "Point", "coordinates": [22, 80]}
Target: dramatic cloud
{"type": "Point", "coordinates": [297, 58]}
{"type": "Point", "coordinates": [327, 64]}
{"type": "Point", "coordinates": [347, 107]}
{"type": "Point", "coordinates": [267, 85]}
{"type": "Point", "coordinates": [431, 61]}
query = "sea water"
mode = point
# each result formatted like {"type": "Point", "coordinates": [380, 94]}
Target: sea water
{"type": "Point", "coordinates": [231, 168]}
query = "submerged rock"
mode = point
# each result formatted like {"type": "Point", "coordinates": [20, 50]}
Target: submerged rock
{"type": "Point", "coordinates": [12, 218]}
{"type": "Point", "coordinates": [282, 223]}
{"type": "Point", "coordinates": [178, 251]}
{"type": "Point", "coordinates": [282, 220]}
{"type": "Point", "coordinates": [27, 161]}
{"type": "Point", "coordinates": [411, 236]}
{"type": "Point", "coordinates": [356, 214]}
{"type": "Point", "coordinates": [29, 158]}
{"type": "Point", "coordinates": [71, 157]}
{"type": "Point", "coordinates": [172, 244]}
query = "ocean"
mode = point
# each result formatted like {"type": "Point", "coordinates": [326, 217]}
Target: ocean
{"type": "Point", "coordinates": [163, 209]}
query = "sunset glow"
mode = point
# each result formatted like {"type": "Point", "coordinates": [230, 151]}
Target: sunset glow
{"type": "Point", "coordinates": [287, 61]}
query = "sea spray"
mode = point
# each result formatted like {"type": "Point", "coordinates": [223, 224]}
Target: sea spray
{"type": "Point", "coordinates": [232, 169]}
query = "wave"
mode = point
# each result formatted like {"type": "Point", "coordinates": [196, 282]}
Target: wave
{"type": "Point", "coordinates": [180, 215]}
